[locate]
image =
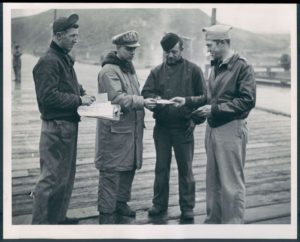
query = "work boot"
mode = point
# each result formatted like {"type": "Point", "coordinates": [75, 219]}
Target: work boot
{"type": "Point", "coordinates": [107, 218]}
{"type": "Point", "coordinates": [125, 210]}
{"type": "Point", "coordinates": [69, 221]}
{"type": "Point", "coordinates": [187, 214]}
{"type": "Point", "coordinates": [156, 210]}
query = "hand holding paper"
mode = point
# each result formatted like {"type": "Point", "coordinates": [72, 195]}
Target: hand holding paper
{"type": "Point", "coordinates": [87, 100]}
{"type": "Point", "coordinates": [178, 101]}
{"type": "Point", "coordinates": [150, 103]}
{"type": "Point", "coordinates": [204, 111]}
{"type": "Point", "coordinates": [101, 108]}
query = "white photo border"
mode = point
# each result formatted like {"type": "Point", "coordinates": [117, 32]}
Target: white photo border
{"type": "Point", "coordinates": [11, 231]}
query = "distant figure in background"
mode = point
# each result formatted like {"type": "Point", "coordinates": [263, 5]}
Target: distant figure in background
{"type": "Point", "coordinates": [119, 146]}
{"type": "Point", "coordinates": [231, 95]}
{"type": "Point", "coordinates": [174, 127]}
{"type": "Point", "coordinates": [58, 96]}
{"type": "Point", "coordinates": [17, 62]}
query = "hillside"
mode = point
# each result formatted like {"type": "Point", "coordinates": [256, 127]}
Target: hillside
{"type": "Point", "coordinates": [97, 26]}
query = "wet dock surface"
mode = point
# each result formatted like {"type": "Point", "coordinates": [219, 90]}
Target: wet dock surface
{"type": "Point", "coordinates": [268, 163]}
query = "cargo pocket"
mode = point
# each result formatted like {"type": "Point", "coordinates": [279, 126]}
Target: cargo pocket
{"type": "Point", "coordinates": [121, 136]}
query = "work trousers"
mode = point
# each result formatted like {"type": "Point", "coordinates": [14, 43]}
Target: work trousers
{"type": "Point", "coordinates": [58, 147]}
{"type": "Point", "coordinates": [114, 186]}
{"type": "Point", "coordinates": [165, 139]}
{"type": "Point", "coordinates": [225, 182]}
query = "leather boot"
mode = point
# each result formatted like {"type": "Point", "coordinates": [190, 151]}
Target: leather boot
{"type": "Point", "coordinates": [107, 218]}
{"type": "Point", "coordinates": [125, 210]}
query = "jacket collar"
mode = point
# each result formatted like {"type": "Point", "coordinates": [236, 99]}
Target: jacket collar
{"type": "Point", "coordinates": [125, 66]}
{"type": "Point", "coordinates": [228, 62]}
{"type": "Point", "coordinates": [56, 47]}
{"type": "Point", "coordinates": [63, 52]}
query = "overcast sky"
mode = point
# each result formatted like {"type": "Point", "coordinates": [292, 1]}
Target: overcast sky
{"type": "Point", "coordinates": [264, 18]}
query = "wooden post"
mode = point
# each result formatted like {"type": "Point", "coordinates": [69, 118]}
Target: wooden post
{"type": "Point", "coordinates": [213, 22]}
{"type": "Point", "coordinates": [213, 16]}
{"type": "Point", "coordinates": [54, 16]}
{"type": "Point", "coordinates": [188, 48]}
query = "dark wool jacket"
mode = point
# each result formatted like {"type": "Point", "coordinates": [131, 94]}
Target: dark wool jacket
{"type": "Point", "coordinates": [186, 79]}
{"type": "Point", "coordinates": [57, 89]}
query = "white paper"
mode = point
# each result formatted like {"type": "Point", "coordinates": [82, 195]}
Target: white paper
{"type": "Point", "coordinates": [104, 110]}
{"type": "Point", "coordinates": [163, 101]}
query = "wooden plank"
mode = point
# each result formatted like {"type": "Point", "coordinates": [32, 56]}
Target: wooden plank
{"type": "Point", "coordinates": [258, 153]}
{"type": "Point", "coordinates": [272, 166]}
{"type": "Point", "coordinates": [279, 220]}
{"type": "Point", "coordinates": [270, 190]}
{"type": "Point", "coordinates": [267, 212]}
{"type": "Point", "coordinates": [20, 173]}
{"type": "Point", "coordinates": [281, 216]}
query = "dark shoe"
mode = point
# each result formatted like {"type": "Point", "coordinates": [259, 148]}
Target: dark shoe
{"type": "Point", "coordinates": [187, 215]}
{"type": "Point", "coordinates": [156, 210]}
{"type": "Point", "coordinates": [125, 210]}
{"type": "Point", "coordinates": [107, 218]}
{"type": "Point", "coordinates": [69, 221]}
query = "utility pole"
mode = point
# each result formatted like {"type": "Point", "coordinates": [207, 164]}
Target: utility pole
{"type": "Point", "coordinates": [54, 16]}
{"type": "Point", "coordinates": [213, 20]}
{"type": "Point", "coordinates": [213, 16]}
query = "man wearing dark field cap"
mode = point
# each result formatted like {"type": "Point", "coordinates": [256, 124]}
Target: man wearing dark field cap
{"type": "Point", "coordinates": [119, 146]}
{"type": "Point", "coordinates": [231, 95]}
{"type": "Point", "coordinates": [58, 95]}
{"type": "Point", "coordinates": [175, 77]}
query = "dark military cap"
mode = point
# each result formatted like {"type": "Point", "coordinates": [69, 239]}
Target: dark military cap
{"type": "Point", "coordinates": [63, 23]}
{"type": "Point", "coordinates": [217, 32]}
{"type": "Point", "coordinates": [129, 38]}
{"type": "Point", "coordinates": [169, 41]}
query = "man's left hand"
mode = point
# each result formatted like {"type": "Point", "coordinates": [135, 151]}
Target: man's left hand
{"type": "Point", "coordinates": [179, 101]}
{"type": "Point", "coordinates": [204, 111]}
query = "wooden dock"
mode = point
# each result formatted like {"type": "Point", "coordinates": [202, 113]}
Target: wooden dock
{"type": "Point", "coordinates": [268, 165]}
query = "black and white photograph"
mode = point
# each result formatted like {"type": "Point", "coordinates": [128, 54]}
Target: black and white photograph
{"type": "Point", "coordinates": [159, 121]}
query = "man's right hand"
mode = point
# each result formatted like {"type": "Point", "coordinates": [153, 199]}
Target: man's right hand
{"type": "Point", "coordinates": [87, 100]}
{"type": "Point", "coordinates": [150, 103]}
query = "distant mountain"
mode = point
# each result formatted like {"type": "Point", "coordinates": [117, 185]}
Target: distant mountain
{"type": "Point", "coordinates": [97, 26]}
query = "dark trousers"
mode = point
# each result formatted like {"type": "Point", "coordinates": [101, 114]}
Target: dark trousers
{"type": "Point", "coordinates": [58, 147]}
{"type": "Point", "coordinates": [165, 139]}
{"type": "Point", "coordinates": [114, 186]}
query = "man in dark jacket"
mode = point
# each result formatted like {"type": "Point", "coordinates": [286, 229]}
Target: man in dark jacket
{"type": "Point", "coordinates": [58, 96]}
{"type": "Point", "coordinates": [231, 96]}
{"type": "Point", "coordinates": [174, 127]}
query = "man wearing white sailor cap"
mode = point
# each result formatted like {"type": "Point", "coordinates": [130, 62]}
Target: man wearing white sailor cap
{"type": "Point", "coordinates": [231, 94]}
{"type": "Point", "coordinates": [119, 144]}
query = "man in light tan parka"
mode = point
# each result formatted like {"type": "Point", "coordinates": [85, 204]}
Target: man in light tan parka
{"type": "Point", "coordinates": [119, 143]}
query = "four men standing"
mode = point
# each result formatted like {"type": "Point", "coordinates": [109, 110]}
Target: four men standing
{"type": "Point", "coordinates": [225, 104]}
